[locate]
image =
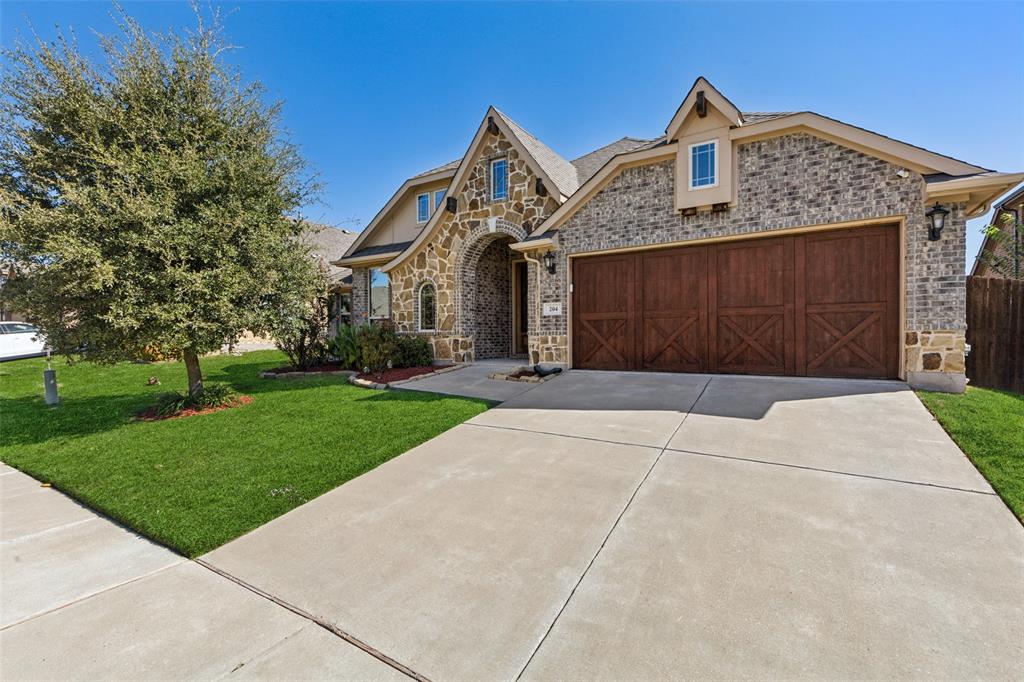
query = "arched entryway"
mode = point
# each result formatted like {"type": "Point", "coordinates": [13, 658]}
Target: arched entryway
{"type": "Point", "coordinates": [487, 309]}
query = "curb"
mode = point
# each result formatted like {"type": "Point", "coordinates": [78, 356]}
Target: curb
{"type": "Point", "coordinates": [366, 383]}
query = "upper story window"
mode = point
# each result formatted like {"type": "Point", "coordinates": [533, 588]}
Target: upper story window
{"type": "Point", "coordinates": [703, 166]}
{"type": "Point", "coordinates": [499, 179]}
{"type": "Point", "coordinates": [438, 198]}
{"type": "Point", "coordinates": [380, 294]}
{"type": "Point", "coordinates": [423, 207]}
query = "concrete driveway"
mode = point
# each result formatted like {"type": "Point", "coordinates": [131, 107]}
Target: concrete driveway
{"type": "Point", "coordinates": [621, 526]}
{"type": "Point", "coordinates": [642, 526]}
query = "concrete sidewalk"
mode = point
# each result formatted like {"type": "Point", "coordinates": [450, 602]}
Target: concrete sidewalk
{"type": "Point", "coordinates": [83, 598]}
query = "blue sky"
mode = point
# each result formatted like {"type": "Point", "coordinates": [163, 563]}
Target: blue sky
{"type": "Point", "coordinates": [376, 92]}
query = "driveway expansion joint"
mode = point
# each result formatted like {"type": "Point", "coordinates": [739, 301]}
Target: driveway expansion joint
{"type": "Point", "coordinates": [330, 627]}
{"type": "Point", "coordinates": [835, 472]}
{"type": "Point", "coordinates": [611, 530]}
{"type": "Point", "coordinates": [91, 595]}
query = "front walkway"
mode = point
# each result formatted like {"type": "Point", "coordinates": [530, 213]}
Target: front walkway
{"type": "Point", "coordinates": [601, 525]}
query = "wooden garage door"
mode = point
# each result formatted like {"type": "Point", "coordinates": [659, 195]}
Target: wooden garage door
{"type": "Point", "coordinates": [818, 304]}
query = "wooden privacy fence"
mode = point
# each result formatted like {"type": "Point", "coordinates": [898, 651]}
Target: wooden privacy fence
{"type": "Point", "coordinates": [995, 331]}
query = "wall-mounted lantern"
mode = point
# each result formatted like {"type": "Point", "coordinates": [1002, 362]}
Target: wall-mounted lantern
{"type": "Point", "coordinates": [937, 217]}
{"type": "Point", "coordinates": [549, 262]}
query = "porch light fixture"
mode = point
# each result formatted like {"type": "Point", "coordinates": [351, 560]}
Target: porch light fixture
{"type": "Point", "coordinates": [549, 262]}
{"type": "Point", "coordinates": [937, 215]}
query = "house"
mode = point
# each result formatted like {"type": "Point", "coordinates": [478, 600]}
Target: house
{"type": "Point", "coordinates": [8, 314]}
{"type": "Point", "coordinates": [781, 243]}
{"type": "Point", "coordinates": [1008, 253]}
{"type": "Point", "coordinates": [327, 244]}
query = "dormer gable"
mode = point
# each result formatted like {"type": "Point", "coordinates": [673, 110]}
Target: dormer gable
{"type": "Point", "coordinates": [705, 159]}
{"type": "Point", "coordinates": [703, 108]}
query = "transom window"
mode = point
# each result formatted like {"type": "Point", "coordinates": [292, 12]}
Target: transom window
{"type": "Point", "coordinates": [499, 179]}
{"type": "Point", "coordinates": [380, 294]}
{"type": "Point", "coordinates": [423, 207]}
{"type": "Point", "coordinates": [703, 171]}
{"type": "Point", "coordinates": [428, 307]}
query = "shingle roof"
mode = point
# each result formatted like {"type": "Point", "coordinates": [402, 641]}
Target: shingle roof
{"type": "Point", "coordinates": [451, 165]}
{"type": "Point", "coordinates": [570, 175]}
{"type": "Point", "coordinates": [590, 163]}
{"type": "Point", "coordinates": [396, 247]}
{"type": "Point", "coordinates": [328, 244]}
{"type": "Point", "coordinates": [561, 172]}
{"type": "Point", "coordinates": [762, 116]}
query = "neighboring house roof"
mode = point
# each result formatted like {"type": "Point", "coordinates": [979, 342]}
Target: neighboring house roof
{"type": "Point", "coordinates": [1011, 202]}
{"type": "Point", "coordinates": [327, 244]}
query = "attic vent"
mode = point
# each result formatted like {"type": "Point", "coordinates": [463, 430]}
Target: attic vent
{"type": "Point", "coordinates": [451, 204]}
{"type": "Point", "coordinates": [542, 191]}
{"type": "Point", "coordinates": [492, 127]}
{"type": "Point", "coordinates": [702, 104]}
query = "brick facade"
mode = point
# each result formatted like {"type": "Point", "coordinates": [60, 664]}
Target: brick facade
{"type": "Point", "coordinates": [783, 182]}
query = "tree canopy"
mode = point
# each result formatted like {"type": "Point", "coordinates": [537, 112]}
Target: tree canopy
{"type": "Point", "coordinates": [145, 198]}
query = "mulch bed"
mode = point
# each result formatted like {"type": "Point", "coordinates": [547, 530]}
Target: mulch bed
{"type": "Point", "coordinates": [319, 368]}
{"type": "Point", "coordinates": [150, 415]}
{"type": "Point", "coordinates": [398, 374]}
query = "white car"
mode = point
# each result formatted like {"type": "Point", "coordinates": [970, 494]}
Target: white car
{"type": "Point", "coordinates": [20, 340]}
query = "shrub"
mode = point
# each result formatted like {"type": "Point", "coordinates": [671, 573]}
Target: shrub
{"type": "Point", "coordinates": [303, 336]}
{"type": "Point", "coordinates": [345, 346]}
{"type": "Point", "coordinates": [377, 344]}
{"type": "Point", "coordinates": [212, 395]}
{"type": "Point", "coordinates": [412, 351]}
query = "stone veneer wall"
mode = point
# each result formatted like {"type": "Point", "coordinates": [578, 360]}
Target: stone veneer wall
{"type": "Point", "coordinates": [452, 257]}
{"type": "Point", "coordinates": [787, 181]}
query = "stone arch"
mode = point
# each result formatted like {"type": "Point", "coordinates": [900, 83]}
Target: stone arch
{"type": "Point", "coordinates": [476, 243]}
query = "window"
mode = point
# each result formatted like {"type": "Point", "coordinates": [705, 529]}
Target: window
{"type": "Point", "coordinates": [438, 198]}
{"type": "Point", "coordinates": [341, 308]}
{"type": "Point", "coordinates": [423, 207]}
{"type": "Point", "coordinates": [380, 295]}
{"type": "Point", "coordinates": [499, 179]}
{"type": "Point", "coordinates": [428, 307]}
{"type": "Point", "coordinates": [702, 165]}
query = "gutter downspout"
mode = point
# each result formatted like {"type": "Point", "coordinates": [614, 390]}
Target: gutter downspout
{"type": "Point", "coordinates": [536, 301]}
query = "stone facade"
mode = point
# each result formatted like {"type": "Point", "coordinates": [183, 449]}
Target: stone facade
{"type": "Point", "coordinates": [468, 259]}
{"type": "Point", "coordinates": [783, 182]}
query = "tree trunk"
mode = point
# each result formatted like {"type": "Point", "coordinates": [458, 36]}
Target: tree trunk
{"type": "Point", "coordinates": [195, 374]}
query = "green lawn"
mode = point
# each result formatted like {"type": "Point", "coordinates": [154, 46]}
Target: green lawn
{"type": "Point", "coordinates": [988, 425]}
{"type": "Point", "coordinates": [195, 483]}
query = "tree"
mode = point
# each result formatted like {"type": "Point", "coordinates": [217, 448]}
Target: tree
{"type": "Point", "coordinates": [145, 197]}
{"type": "Point", "coordinates": [1005, 254]}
